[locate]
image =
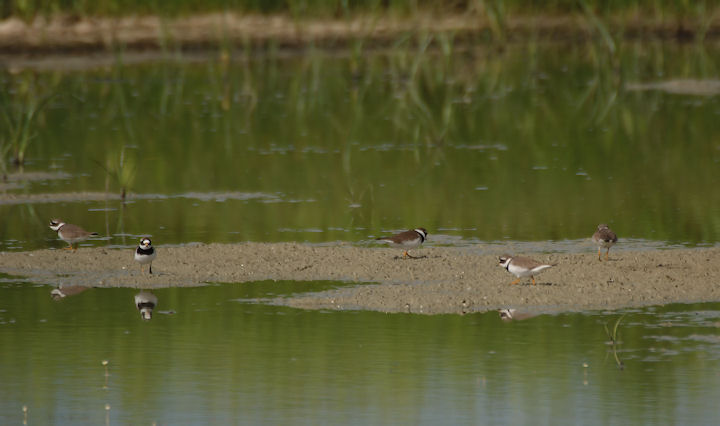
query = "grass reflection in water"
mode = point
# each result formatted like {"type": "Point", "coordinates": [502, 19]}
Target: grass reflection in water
{"type": "Point", "coordinates": [541, 142]}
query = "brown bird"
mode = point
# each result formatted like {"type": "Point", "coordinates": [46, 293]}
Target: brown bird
{"type": "Point", "coordinates": [604, 238]}
{"type": "Point", "coordinates": [70, 233]}
{"type": "Point", "coordinates": [407, 240]}
{"type": "Point", "coordinates": [522, 267]}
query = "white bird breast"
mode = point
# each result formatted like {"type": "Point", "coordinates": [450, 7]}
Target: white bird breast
{"type": "Point", "coordinates": [145, 258]}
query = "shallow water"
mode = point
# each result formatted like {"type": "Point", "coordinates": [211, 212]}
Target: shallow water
{"type": "Point", "coordinates": [526, 150]}
{"type": "Point", "coordinates": [209, 356]}
{"type": "Point", "coordinates": [537, 143]}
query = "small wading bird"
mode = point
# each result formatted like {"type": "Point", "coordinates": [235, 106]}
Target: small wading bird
{"type": "Point", "coordinates": [407, 240]}
{"type": "Point", "coordinates": [145, 254]}
{"type": "Point", "coordinates": [70, 233]}
{"type": "Point", "coordinates": [522, 267]}
{"type": "Point", "coordinates": [604, 238]}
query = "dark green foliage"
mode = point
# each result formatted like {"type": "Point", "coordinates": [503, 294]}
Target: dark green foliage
{"type": "Point", "coordinates": [30, 8]}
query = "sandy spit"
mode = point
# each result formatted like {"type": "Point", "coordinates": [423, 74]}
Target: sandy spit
{"type": "Point", "coordinates": [72, 34]}
{"type": "Point", "coordinates": [443, 280]}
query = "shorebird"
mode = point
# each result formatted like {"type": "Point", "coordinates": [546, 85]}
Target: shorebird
{"type": "Point", "coordinates": [522, 267]}
{"type": "Point", "coordinates": [145, 253]}
{"type": "Point", "coordinates": [407, 240]}
{"type": "Point", "coordinates": [70, 233]}
{"type": "Point", "coordinates": [604, 238]}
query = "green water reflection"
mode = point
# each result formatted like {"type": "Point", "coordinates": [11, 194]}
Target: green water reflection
{"type": "Point", "coordinates": [539, 142]}
{"type": "Point", "coordinates": [208, 357]}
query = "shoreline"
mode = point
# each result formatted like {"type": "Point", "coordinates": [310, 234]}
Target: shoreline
{"type": "Point", "coordinates": [444, 280]}
{"type": "Point", "coordinates": [102, 39]}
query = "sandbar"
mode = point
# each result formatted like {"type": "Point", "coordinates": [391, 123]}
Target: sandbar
{"type": "Point", "coordinates": [442, 280]}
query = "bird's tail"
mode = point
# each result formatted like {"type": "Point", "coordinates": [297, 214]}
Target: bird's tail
{"type": "Point", "coordinates": [542, 268]}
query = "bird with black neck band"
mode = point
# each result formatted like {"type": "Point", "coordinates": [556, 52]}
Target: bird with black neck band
{"type": "Point", "coordinates": [522, 267]}
{"type": "Point", "coordinates": [70, 233]}
{"type": "Point", "coordinates": [145, 254]}
{"type": "Point", "coordinates": [406, 240]}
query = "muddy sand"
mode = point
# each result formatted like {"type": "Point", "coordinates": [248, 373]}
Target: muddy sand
{"type": "Point", "coordinates": [441, 280]}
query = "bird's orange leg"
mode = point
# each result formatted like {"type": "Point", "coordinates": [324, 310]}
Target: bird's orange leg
{"type": "Point", "coordinates": [607, 254]}
{"type": "Point", "coordinates": [515, 282]}
{"type": "Point", "coordinates": [599, 253]}
{"type": "Point", "coordinates": [533, 279]}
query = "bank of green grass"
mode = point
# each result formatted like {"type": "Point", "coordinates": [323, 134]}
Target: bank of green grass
{"type": "Point", "coordinates": [28, 9]}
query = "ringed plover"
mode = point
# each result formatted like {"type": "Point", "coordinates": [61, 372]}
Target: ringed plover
{"type": "Point", "coordinates": [522, 267]}
{"type": "Point", "coordinates": [406, 240]}
{"type": "Point", "coordinates": [604, 238]}
{"type": "Point", "coordinates": [145, 253]}
{"type": "Point", "coordinates": [70, 233]}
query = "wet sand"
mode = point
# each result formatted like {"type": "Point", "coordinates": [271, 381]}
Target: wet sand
{"type": "Point", "coordinates": [442, 280]}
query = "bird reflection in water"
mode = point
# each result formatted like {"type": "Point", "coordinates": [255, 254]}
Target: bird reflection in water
{"type": "Point", "coordinates": [513, 315]}
{"type": "Point", "coordinates": [145, 303]}
{"type": "Point", "coordinates": [62, 291]}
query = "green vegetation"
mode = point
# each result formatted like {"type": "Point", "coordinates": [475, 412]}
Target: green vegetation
{"type": "Point", "coordinates": [20, 106]}
{"type": "Point", "coordinates": [496, 10]}
{"type": "Point", "coordinates": [119, 167]}
{"type": "Point", "coordinates": [120, 156]}
{"type": "Point", "coordinates": [343, 142]}
{"type": "Point", "coordinates": [614, 340]}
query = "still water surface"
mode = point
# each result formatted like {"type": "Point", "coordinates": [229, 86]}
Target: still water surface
{"type": "Point", "coordinates": [210, 356]}
{"type": "Point", "coordinates": [535, 143]}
